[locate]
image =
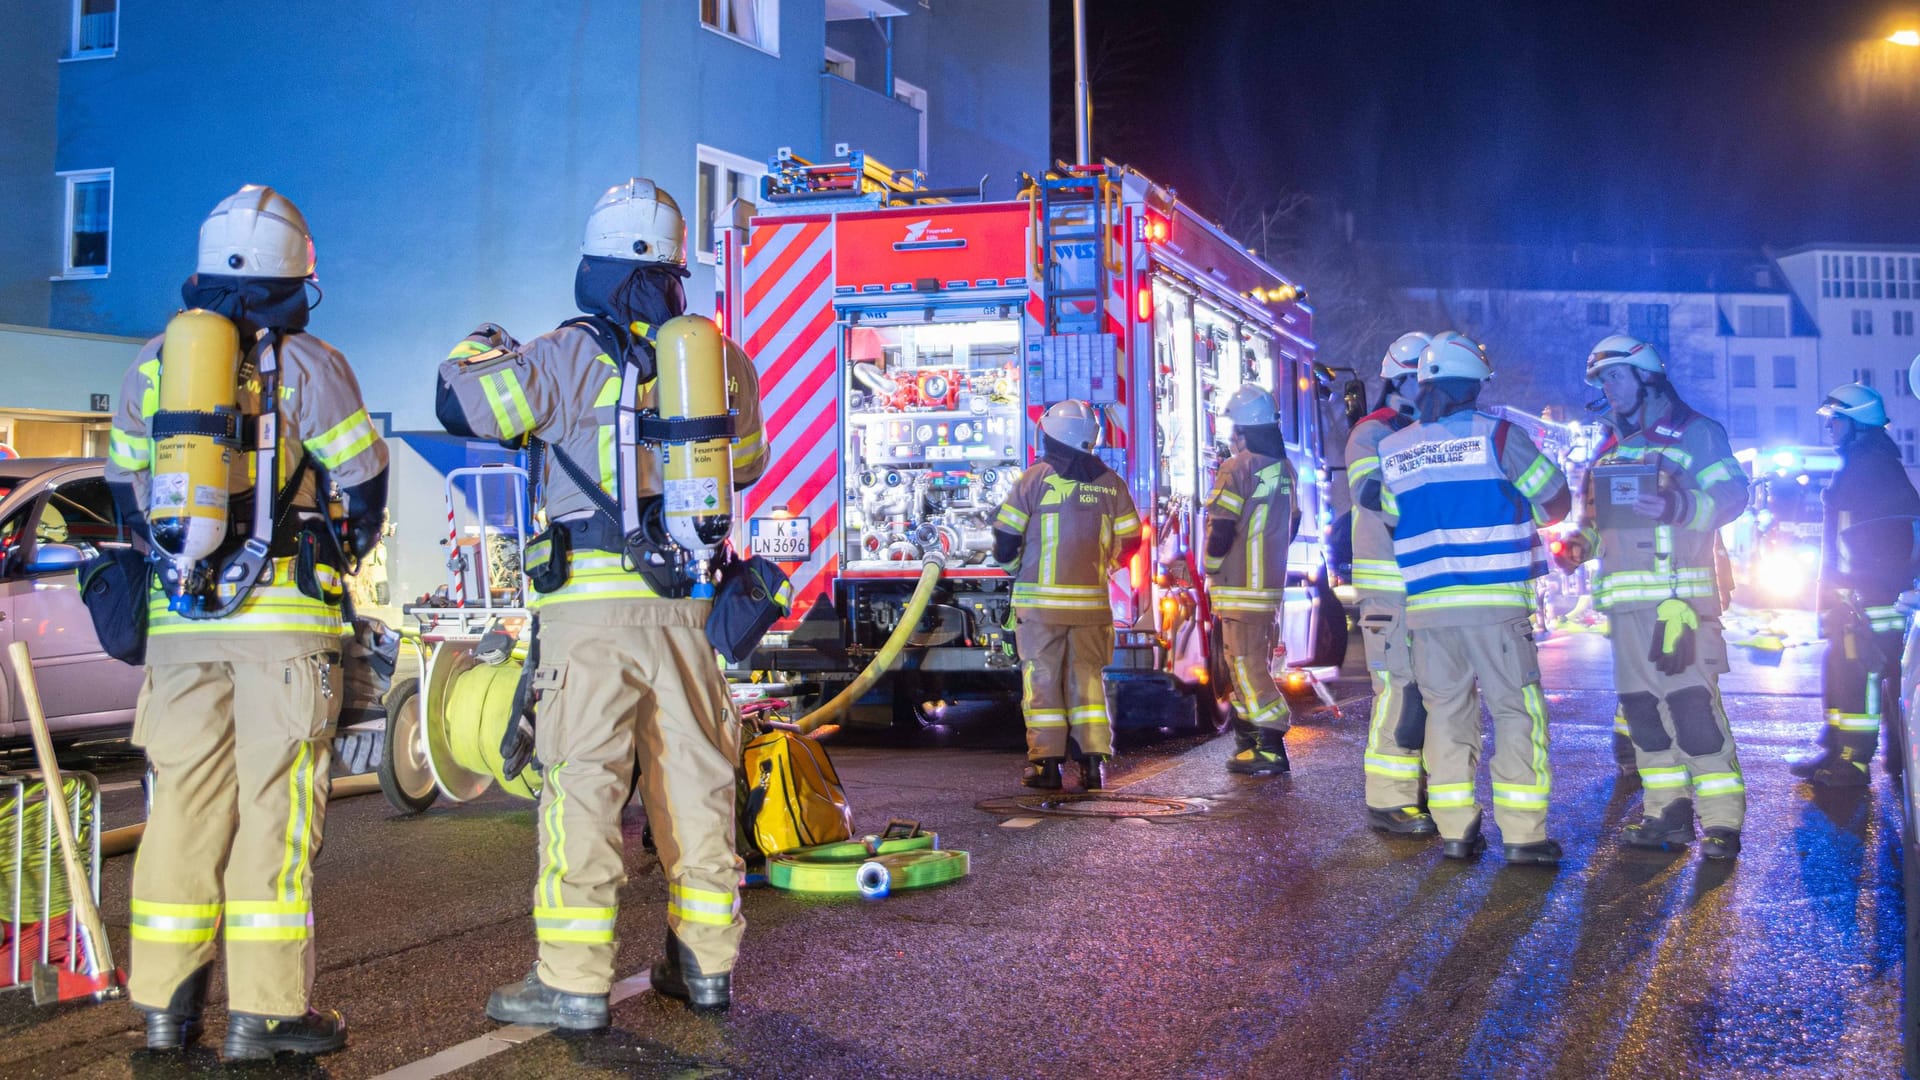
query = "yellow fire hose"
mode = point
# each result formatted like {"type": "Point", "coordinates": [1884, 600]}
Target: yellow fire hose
{"type": "Point", "coordinates": [889, 653]}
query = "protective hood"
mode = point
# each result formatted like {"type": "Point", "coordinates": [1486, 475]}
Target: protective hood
{"type": "Point", "coordinates": [626, 291]}
{"type": "Point", "coordinates": [1444, 397]}
{"type": "Point", "coordinates": [253, 303]}
{"type": "Point", "coordinates": [1868, 442]}
{"type": "Point", "coordinates": [1264, 439]}
{"type": "Point", "coordinates": [1069, 462]}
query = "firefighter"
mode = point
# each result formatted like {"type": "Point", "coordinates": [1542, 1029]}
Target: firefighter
{"type": "Point", "coordinates": [1252, 515]}
{"type": "Point", "coordinates": [1464, 495]}
{"type": "Point", "coordinates": [1065, 524]}
{"type": "Point", "coordinates": [1866, 561]}
{"type": "Point", "coordinates": [1396, 728]}
{"type": "Point", "coordinates": [1658, 586]}
{"type": "Point", "coordinates": [623, 665]}
{"type": "Point", "coordinates": [237, 712]}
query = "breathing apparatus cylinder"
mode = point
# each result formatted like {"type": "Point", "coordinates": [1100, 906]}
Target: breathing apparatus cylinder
{"type": "Point", "coordinates": [187, 499]}
{"type": "Point", "coordinates": [696, 464]}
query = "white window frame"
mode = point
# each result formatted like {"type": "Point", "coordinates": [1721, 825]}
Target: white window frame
{"type": "Point", "coordinates": [74, 52]}
{"type": "Point", "coordinates": [915, 98]}
{"type": "Point", "coordinates": [702, 232]}
{"type": "Point", "coordinates": [835, 56]}
{"type": "Point", "coordinates": [68, 271]}
{"type": "Point", "coordinates": [766, 18]}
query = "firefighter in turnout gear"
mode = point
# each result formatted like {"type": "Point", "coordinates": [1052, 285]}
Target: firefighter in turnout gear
{"type": "Point", "coordinates": [1251, 518]}
{"type": "Point", "coordinates": [624, 668]}
{"type": "Point", "coordinates": [1660, 488]}
{"type": "Point", "coordinates": [1396, 726]}
{"type": "Point", "coordinates": [1464, 494]}
{"type": "Point", "coordinates": [243, 680]}
{"type": "Point", "coordinates": [1866, 562]}
{"type": "Point", "coordinates": [1066, 523]}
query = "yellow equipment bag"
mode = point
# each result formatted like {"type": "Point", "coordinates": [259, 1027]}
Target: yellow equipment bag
{"type": "Point", "coordinates": [791, 796]}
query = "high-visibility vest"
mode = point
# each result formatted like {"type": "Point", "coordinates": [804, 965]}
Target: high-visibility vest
{"type": "Point", "coordinates": [1465, 536]}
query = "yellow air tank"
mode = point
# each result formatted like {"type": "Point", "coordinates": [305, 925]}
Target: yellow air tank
{"type": "Point", "coordinates": [697, 474]}
{"type": "Point", "coordinates": [199, 373]}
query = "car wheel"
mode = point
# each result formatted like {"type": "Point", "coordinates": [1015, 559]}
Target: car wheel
{"type": "Point", "coordinates": [405, 777]}
{"type": "Point", "coordinates": [1329, 627]}
{"type": "Point", "coordinates": [1213, 699]}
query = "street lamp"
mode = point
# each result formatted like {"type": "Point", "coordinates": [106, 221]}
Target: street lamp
{"type": "Point", "coordinates": [1909, 38]}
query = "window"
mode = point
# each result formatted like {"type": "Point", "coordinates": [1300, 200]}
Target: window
{"type": "Point", "coordinates": [1909, 446]}
{"type": "Point", "coordinates": [1599, 313]}
{"type": "Point", "coordinates": [1786, 422]}
{"type": "Point", "coordinates": [723, 177]}
{"type": "Point", "coordinates": [1744, 422]}
{"type": "Point", "coordinates": [1903, 323]}
{"type": "Point", "coordinates": [88, 243]}
{"type": "Point", "coordinates": [95, 33]}
{"type": "Point", "coordinates": [1742, 372]}
{"type": "Point", "coordinates": [1648, 322]}
{"type": "Point", "coordinates": [916, 98]}
{"type": "Point", "coordinates": [838, 64]}
{"type": "Point", "coordinates": [1761, 320]}
{"type": "Point", "coordinates": [1783, 374]}
{"type": "Point", "coordinates": [80, 513]}
{"type": "Point", "coordinates": [1862, 321]}
{"type": "Point", "coordinates": [1902, 386]}
{"type": "Point", "coordinates": [1863, 376]}
{"type": "Point", "coordinates": [755, 22]}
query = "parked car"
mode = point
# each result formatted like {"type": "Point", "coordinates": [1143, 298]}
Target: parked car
{"type": "Point", "coordinates": [56, 513]}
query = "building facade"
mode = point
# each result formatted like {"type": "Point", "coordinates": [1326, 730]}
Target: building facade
{"type": "Point", "coordinates": [446, 155]}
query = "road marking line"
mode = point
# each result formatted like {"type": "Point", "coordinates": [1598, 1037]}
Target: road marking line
{"type": "Point", "coordinates": [1020, 823]}
{"type": "Point", "coordinates": [499, 1040]}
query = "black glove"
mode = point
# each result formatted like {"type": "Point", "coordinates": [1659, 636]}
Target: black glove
{"type": "Point", "coordinates": [1673, 636]}
{"type": "Point", "coordinates": [366, 514]}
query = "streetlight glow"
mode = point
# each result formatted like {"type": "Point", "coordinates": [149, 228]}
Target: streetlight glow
{"type": "Point", "coordinates": [1909, 38]}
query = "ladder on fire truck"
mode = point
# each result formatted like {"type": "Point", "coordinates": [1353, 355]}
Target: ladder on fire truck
{"type": "Point", "coordinates": [854, 175]}
{"type": "Point", "coordinates": [1072, 221]}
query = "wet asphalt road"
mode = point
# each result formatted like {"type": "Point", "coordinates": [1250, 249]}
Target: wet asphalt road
{"type": "Point", "coordinates": [1272, 935]}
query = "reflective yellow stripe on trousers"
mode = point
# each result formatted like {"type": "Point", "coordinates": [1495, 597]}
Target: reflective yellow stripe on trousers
{"type": "Point", "coordinates": [180, 924]}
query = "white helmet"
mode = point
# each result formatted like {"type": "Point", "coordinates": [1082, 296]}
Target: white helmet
{"type": "Point", "coordinates": [638, 222]}
{"type": "Point", "coordinates": [1621, 349]}
{"type": "Point", "coordinates": [1403, 356]}
{"type": "Point", "coordinates": [1251, 405]}
{"type": "Point", "coordinates": [1454, 356]}
{"type": "Point", "coordinates": [1075, 423]}
{"type": "Point", "coordinates": [256, 232]}
{"type": "Point", "coordinates": [1860, 404]}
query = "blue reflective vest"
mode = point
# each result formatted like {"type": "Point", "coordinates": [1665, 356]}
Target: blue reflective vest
{"type": "Point", "coordinates": [1465, 536]}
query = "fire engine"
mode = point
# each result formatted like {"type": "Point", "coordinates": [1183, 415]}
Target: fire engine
{"type": "Point", "coordinates": [1775, 544]}
{"type": "Point", "coordinates": [907, 340]}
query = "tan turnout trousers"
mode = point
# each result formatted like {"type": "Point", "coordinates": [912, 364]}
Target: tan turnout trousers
{"type": "Point", "coordinates": [1397, 723]}
{"type": "Point", "coordinates": [1063, 689]}
{"type": "Point", "coordinates": [1257, 701]}
{"type": "Point", "coordinates": [240, 752]}
{"type": "Point", "coordinates": [1678, 726]}
{"type": "Point", "coordinates": [611, 688]}
{"type": "Point", "coordinates": [1499, 656]}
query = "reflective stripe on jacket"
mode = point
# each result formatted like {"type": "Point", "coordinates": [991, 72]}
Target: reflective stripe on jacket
{"type": "Point", "coordinates": [1255, 494]}
{"type": "Point", "coordinates": [1072, 531]}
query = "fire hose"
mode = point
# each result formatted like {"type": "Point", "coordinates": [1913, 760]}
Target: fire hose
{"type": "Point", "coordinates": [127, 838]}
{"type": "Point", "coordinates": [889, 653]}
{"type": "Point", "coordinates": [870, 868]}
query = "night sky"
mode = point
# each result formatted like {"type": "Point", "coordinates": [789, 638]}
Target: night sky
{"type": "Point", "coordinates": [1730, 123]}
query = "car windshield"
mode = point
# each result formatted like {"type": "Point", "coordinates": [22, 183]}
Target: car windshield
{"type": "Point", "coordinates": [6, 486]}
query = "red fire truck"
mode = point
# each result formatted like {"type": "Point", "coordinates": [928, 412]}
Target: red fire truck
{"type": "Point", "coordinates": [907, 340]}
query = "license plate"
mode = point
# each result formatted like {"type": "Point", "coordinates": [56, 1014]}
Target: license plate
{"type": "Point", "coordinates": [781, 539]}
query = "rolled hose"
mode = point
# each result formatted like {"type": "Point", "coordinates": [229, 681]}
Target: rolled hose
{"type": "Point", "coordinates": [867, 869]}
{"type": "Point", "coordinates": [889, 654]}
{"type": "Point", "coordinates": [127, 838]}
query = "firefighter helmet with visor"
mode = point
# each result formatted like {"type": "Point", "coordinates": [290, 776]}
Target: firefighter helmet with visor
{"type": "Point", "coordinates": [1074, 423]}
{"type": "Point", "coordinates": [256, 232]}
{"type": "Point", "coordinates": [1252, 406]}
{"type": "Point", "coordinates": [1452, 355]}
{"type": "Point", "coordinates": [1860, 404]}
{"type": "Point", "coordinates": [1621, 349]}
{"type": "Point", "coordinates": [638, 222]}
{"type": "Point", "coordinates": [1403, 356]}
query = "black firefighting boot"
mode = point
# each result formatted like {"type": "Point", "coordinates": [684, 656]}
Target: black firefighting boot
{"type": "Point", "coordinates": [1404, 820]}
{"type": "Point", "coordinates": [1043, 774]}
{"type": "Point", "coordinates": [1720, 843]}
{"type": "Point", "coordinates": [1538, 853]}
{"type": "Point", "coordinates": [679, 976]}
{"type": "Point", "coordinates": [1262, 753]}
{"type": "Point", "coordinates": [1468, 846]}
{"type": "Point", "coordinates": [259, 1038]}
{"type": "Point", "coordinates": [531, 1001]}
{"type": "Point", "coordinates": [1672, 829]}
{"type": "Point", "coordinates": [177, 1026]}
{"type": "Point", "coordinates": [1093, 772]}
{"type": "Point", "coordinates": [1840, 771]}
